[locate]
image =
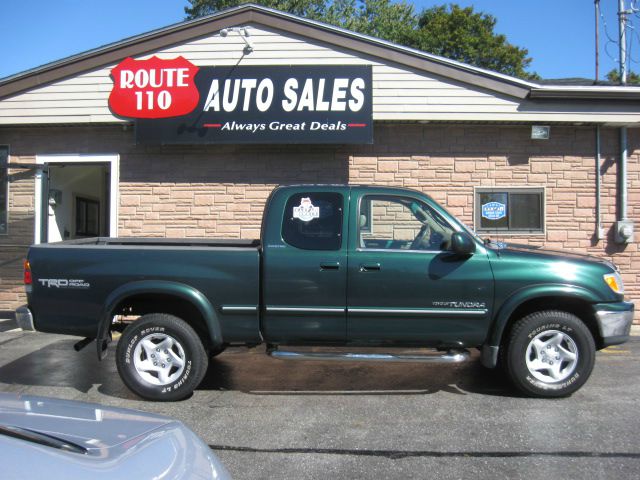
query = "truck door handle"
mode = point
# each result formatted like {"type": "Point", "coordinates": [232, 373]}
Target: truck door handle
{"type": "Point", "coordinates": [372, 267]}
{"type": "Point", "coordinates": [330, 266]}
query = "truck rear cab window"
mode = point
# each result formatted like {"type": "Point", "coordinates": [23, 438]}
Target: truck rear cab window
{"type": "Point", "coordinates": [313, 221]}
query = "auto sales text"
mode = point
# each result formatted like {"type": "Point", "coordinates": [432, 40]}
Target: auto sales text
{"type": "Point", "coordinates": [313, 95]}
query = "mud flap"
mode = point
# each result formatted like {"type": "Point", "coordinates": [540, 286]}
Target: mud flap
{"type": "Point", "coordinates": [103, 345]}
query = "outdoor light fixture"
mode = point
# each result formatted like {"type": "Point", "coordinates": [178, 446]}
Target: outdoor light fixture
{"type": "Point", "coordinates": [244, 35]}
{"type": "Point", "coordinates": [540, 132]}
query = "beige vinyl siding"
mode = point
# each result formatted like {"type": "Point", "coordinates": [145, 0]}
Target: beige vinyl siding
{"type": "Point", "coordinates": [399, 93]}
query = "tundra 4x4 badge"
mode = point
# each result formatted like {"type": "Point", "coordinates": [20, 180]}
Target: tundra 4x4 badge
{"type": "Point", "coordinates": [63, 283]}
{"type": "Point", "coordinates": [460, 304]}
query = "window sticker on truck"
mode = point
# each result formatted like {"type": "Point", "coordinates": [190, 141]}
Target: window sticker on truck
{"type": "Point", "coordinates": [63, 283]}
{"type": "Point", "coordinates": [306, 211]}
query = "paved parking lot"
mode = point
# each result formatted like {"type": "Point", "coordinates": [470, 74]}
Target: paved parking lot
{"type": "Point", "coordinates": [268, 418]}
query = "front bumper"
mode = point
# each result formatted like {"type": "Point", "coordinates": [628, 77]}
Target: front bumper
{"type": "Point", "coordinates": [614, 322]}
{"type": "Point", "coordinates": [24, 318]}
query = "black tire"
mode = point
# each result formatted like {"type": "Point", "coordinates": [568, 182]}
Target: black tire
{"type": "Point", "coordinates": [549, 354]}
{"type": "Point", "coordinates": [175, 371]}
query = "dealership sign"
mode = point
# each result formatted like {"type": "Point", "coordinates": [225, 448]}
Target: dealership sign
{"type": "Point", "coordinates": [175, 102]}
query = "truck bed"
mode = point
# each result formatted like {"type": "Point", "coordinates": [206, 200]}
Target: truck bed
{"type": "Point", "coordinates": [87, 273]}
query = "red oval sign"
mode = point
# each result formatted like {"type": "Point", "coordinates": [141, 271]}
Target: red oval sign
{"type": "Point", "coordinates": [154, 88]}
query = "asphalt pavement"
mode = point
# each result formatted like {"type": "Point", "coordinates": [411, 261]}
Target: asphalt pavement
{"type": "Point", "coordinates": [268, 418]}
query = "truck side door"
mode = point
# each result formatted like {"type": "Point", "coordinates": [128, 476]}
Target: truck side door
{"type": "Point", "coordinates": [405, 287]}
{"type": "Point", "coordinates": [305, 266]}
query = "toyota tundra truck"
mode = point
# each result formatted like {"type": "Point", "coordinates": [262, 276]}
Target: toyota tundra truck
{"type": "Point", "coordinates": [338, 268]}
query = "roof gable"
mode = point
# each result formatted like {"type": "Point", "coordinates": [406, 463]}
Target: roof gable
{"type": "Point", "coordinates": [249, 13]}
{"type": "Point", "coordinates": [408, 85]}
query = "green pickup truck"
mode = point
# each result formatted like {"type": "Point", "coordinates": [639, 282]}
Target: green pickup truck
{"type": "Point", "coordinates": [337, 266]}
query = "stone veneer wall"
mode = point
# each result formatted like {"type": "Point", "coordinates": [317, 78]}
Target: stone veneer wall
{"type": "Point", "coordinates": [220, 191]}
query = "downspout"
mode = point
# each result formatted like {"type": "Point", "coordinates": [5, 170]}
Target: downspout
{"type": "Point", "coordinates": [622, 176]}
{"type": "Point", "coordinates": [599, 230]}
{"type": "Point", "coordinates": [624, 228]}
{"type": "Point", "coordinates": [622, 187]}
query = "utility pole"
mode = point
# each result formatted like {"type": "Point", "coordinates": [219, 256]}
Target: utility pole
{"type": "Point", "coordinates": [622, 23]}
{"type": "Point", "coordinates": [597, 12]}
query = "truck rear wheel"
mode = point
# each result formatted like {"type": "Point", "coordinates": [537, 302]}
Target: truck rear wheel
{"type": "Point", "coordinates": [160, 357]}
{"type": "Point", "coordinates": [549, 354]}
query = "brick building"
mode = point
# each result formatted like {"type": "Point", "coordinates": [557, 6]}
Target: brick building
{"type": "Point", "coordinates": [468, 137]}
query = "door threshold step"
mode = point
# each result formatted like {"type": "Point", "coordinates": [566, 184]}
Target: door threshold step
{"type": "Point", "coordinates": [451, 356]}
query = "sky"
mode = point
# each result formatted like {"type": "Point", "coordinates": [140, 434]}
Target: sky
{"type": "Point", "coordinates": [559, 34]}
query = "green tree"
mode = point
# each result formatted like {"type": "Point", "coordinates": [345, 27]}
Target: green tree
{"type": "Point", "coordinates": [467, 36]}
{"type": "Point", "coordinates": [449, 31]}
{"type": "Point", "coordinates": [393, 21]}
{"type": "Point", "coordinates": [632, 77]}
{"type": "Point", "coordinates": [313, 9]}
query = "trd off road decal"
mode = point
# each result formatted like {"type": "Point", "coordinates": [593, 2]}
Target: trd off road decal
{"type": "Point", "coordinates": [64, 283]}
{"type": "Point", "coordinates": [306, 211]}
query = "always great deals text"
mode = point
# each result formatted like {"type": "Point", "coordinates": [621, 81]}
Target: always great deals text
{"type": "Point", "coordinates": [282, 126]}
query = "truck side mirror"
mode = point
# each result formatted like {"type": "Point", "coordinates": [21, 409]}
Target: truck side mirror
{"type": "Point", "coordinates": [462, 244]}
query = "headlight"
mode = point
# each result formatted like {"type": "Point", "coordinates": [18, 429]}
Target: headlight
{"type": "Point", "coordinates": [614, 280]}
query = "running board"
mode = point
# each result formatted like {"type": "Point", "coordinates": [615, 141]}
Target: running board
{"type": "Point", "coordinates": [452, 356]}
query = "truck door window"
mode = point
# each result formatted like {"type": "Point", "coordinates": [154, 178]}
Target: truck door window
{"type": "Point", "coordinates": [313, 221]}
{"type": "Point", "coordinates": [401, 223]}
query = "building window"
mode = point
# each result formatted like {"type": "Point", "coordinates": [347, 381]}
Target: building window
{"type": "Point", "coordinates": [4, 189]}
{"type": "Point", "coordinates": [509, 210]}
{"type": "Point", "coordinates": [313, 221]}
{"type": "Point", "coordinates": [87, 217]}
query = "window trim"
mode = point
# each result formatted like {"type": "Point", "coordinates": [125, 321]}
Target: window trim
{"type": "Point", "coordinates": [541, 189]}
{"type": "Point", "coordinates": [5, 167]}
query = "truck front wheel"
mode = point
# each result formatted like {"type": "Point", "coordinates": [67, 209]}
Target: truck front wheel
{"type": "Point", "coordinates": [160, 357]}
{"type": "Point", "coordinates": [549, 354]}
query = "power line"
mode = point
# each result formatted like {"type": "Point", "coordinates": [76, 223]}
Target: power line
{"type": "Point", "coordinates": [632, 14]}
